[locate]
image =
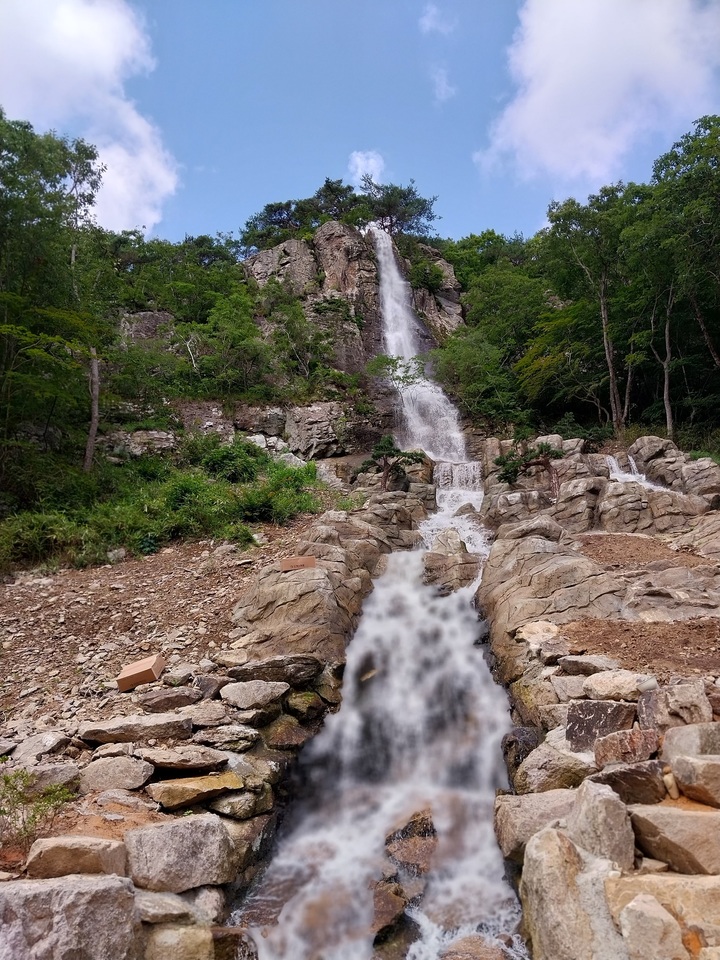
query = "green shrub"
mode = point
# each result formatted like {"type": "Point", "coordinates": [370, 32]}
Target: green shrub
{"type": "Point", "coordinates": [235, 463]}
{"type": "Point", "coordinates": [29, 538]}
{"type": "Point", "coordinates": [25, 813]}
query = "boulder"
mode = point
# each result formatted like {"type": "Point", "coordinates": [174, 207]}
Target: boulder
{"type": "Point", "coordinates": [243, 804]}
{"type": "Point", "coordinates": [628, 507]}
{"type": "Point", "coordinates": [645, 449]}
{"type": "Point", "coordinates": [184, 792]}
{"type": "Point", "coordinates": [616, 685]}
{"type": "Point", "coordinates": [185, 757]}
{"type": "Point", "coordinates": [518, 818]}
{"type": "Point", "coordinates": [585, 665]}
{"type": "Point", "coordinates": [115, 773]}
{"type": "Point", "coordinates": [231, 736]}
{"type": "Point", "coordinates": [552, 767]}
{"type": "Point", "coordinates": [589, 719]}
{"type": "Point", "coordinates": [575, 509]}
{"type": "Point", "coordinates": [168, 698]}
{"type": "Point", "coordinates": [60, 856]}
{"type": "Point", "coordinates": [161, 726]}
{"type": "Point", "coordinates": [179, 942]}
{"type": "Point", "coordinates": [692, 740]}
{"type": "Point", "coordinates": [293, 669]}
{"type": "Point", "coordinates": [649, 930]}
{"type": "Point", "coordinates": [98, 919]}
{"type": "Point", "coordinates": [39, 745]}
{"type": "Point", "coordinates": [154, 907]}
{"type": "Point", "coordinates": [509, 508]}
{"type": "Point", "coordinates": [311, 431]}
{"type": "Point", "coordinates": [181, 854]}
{"type": "Point", "coordinates": [626, 746]}
{"type": "Point", "coordinates": [634, 782]}
{"type": "Point", "coordinates": [686, 838]}
{"type": "Point", "coordinates": [568, 688]}
{"type": "Point", "coordinates": [600, 824]}
{"type": "Point", "coordinates": [564, 909]}
{"type": "Point", "coordinates": [698, 778]}
{"type": "Point", "coordinates": [253, 694]}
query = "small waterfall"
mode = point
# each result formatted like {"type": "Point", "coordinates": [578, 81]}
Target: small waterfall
{"type": "Point", "coordinates": [430, 421]}
{"type": "Point", "coordinates": [633, 475]}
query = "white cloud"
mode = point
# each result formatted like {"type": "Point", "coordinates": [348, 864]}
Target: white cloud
{"type": "Point", "coordinates": [443, 89]}
{"type": "Point", "coordinates": [433, 21]}
{"type": "Point", "coordinates": [593, 78]}
{"type": "Point", "coordinates": [63, 64]}
{"type": "Point", "coordinates": [366, 161]}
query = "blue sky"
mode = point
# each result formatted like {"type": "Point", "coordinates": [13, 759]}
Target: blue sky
{"type": "Point", "coordinates": [206, 110]}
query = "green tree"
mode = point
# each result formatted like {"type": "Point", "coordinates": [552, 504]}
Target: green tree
{"type": "Point", "coordinates": [399, 209]}
{"type": "Point", "coordinates": [390, 460]}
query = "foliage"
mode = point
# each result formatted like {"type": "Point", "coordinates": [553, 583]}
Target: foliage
{"type": "Point", "coordinates": [25, 812]}
{"type": "Point", "coordinates": [400, 373]}
{"type": "Point", "coordinates": [519, 460]}
{"type": "Point", "coordinates": [390, 460]}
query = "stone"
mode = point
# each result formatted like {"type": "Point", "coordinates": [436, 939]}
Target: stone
{"type": "Point", "coordinates": [674, 706]}
{"type": "Point", "coordinates": [181, 854]}
{"type": "Point", "coordinates": [549, 768]}
{"type": "Point", "coordinates": [615, 685]}
{"type": "Point", "coordinates": [98, 919]}
{"type": "Point", "coordinates": [305, 705]}
{"type": "Point", "coordinates": [519, 744]}
{"type": "Point", "coordinates": [686, 838]}
{"type": "Point", "coordinates": [599, 823]}
{"type": "Point", "coordinates": [208, 713]}
{"type": "Point", "coordinates": [209, 686]}
{"type": "Point", "coordinates": [185, 757]}
{"type": "Point", "coordinates": [698, 778]}
{"type": "Point", "coordinates": [124, 798]}
{"type": "Point", "coordinates": [634, 782]}
{"type": "Point", "coordinates": [233, 736]}
{"type": "Point", "coordinates": [208, 903]}
{"type": "Point", "coordinates": [286, 733]}
{"type": "Point", "coordinates": [39, 745]}
{"type": "Point", "coordinates": [518, 818]}
{"type": "Point", "coordinates": [295, 670]}
{"type": "Point", "coordinates": [472, 948]}
{"type": "Point", "coordinates": [160, 726]}
{"type": "Point", "coordinates": [179, 942]}
{"type": "Point", "coordinates": [154, 907]}
{"type": "Point", "coordinates": [244, 804]}
{"type": "Point", "coordinates": [388, 905]}
{"type": "Point", "coordinates": [173, 794]}
{"type": "Point", "coordinates": [693, 740]}
{"type": "Point", "coordinates": [141, 671]}
{"type": "Point", "coordinates": [650, 931]}
{"type": "Point", "coordinates": [63, 774]}
{"type": "Point", "coordinates": [168, 698]}
{"type": "Point", "coordinates": [413, 844]}
{"type": "Point", "coordinates": [564, 909]}
{"type": "Point", "coordinates": [568, 688]}
{"type": "Point", "coordinates": [542, 526]}
{"type": "Point", "coordinates": [590, 719]}
{"type": "Point", "coordinates": [60, 856]}
{"type": "Point", "coordinates": [253, 694]}
{"type": "Point", "coordinates": [586, 665]}
{"type": "Point", "coordinates": [251, 838]}
{"type": "Point", "coordinates": [115, 773]}
{"type": "Point", "coordinates": [626, 746]}
{"type": "Point", "coordinates": [310, 431]}
{"type": "Point", "coordinates": [532, 691]}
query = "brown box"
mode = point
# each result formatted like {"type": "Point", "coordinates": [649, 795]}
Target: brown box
{"type": "Point", "coordinates": [142, 671]}
{"type": "Point", "coordinates": [297, 563]}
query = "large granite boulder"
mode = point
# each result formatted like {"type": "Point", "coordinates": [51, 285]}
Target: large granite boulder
{"type": "Point", "coordinates": [314, 431]}
{"type": "Point", "coordinates": [292, 262]}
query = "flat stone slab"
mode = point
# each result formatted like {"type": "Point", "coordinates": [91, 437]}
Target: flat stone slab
{"type": "Point", "coordinates": [688, 840]}
{"type": "Point", "coordinates": [185, 757]}
{"type": "Point", "coordinates": [115, 773]}
{"type": "Point", "coordinates": [61, 856]}
{"type": "Point", "coordinates": [233, 736]}
{"type": "Point", "coordinates": [617, 685]}
{"type": "Point", "coordinates": [589, 719]}
{"type": "Point", "coordinates": [585, 665]}
{"type": "Point", "coordinates": [168, 698]}
{"type": "Point", "coordinates": [161, 726]}
{"type": "Point", "coordinates": [172, 794]}
{"type": "Point", "coordinates": [297, 670]}
{"type": "Point", "coordinates": [253, 694]}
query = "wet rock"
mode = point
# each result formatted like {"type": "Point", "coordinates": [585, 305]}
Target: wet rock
{"type": "Point", "coordinates": [388, 905]}
{"type": "Point", "coordinates": [60, 856]}
{"type": "Point", "coordinates": [251, 838]}
{"type": "Point", "coordinates": [98, 918]}
{"type": "Point", "coordinates": [115, 773]}
{"type": "Point", "coordinates": [181, 854]}
{"type": "Point", "coordinates": [590, 719]}
{"type": "Point", "coordinates": [688, 840]}
{"type": "Point", "coordinates": [164, 699]}
{"type": "Point", "coordinates": [518, 818]}
{"type": "Point", "coordinates": [412, 846]}
{"type": "Point", "coordinates": [160, 726]}
{"type": "Point", "coordinates": [634, 782]}
{"type": "Point", "coordinates": [616, 685]}
{"type": "Point", "coordinates": [173, 794]}
{"type": "Point", "coordinates": [519, 744]}
{"type": "Point", "coordinates": [626, 746]}
{"type": "Point", "coordinates": [599, 823]}
{"type": "Point", "coordinates": [473, 948]}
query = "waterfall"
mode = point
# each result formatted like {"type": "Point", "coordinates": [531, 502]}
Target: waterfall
{"type": "Point", "coordinates": [419, 729]}
{"type": "Point", "coordinates": [633, 475]}
{"type": "Point", "coordinates": [430, 421]}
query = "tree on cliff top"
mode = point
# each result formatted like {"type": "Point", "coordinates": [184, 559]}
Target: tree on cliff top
{"type": "Point", "coordinates": [399, 209]}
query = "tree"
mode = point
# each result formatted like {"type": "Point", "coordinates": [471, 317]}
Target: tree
{"type": "Point", "coordinates": [399, 209]}
{"type": "Point", "coordinates": [390, 460]}
{"type": "Point", "coordinates": [518, 461]}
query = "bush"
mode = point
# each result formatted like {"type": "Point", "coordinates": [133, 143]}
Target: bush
{"type": "Point", "coordinates": [29, 538]}
{"type": "Point", "coordinates": [25, 813]}
{"type": "Point", "coordinates": [235, 463]}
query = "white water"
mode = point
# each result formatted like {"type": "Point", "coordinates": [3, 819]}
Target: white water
{"type": "Point", "coordinates": [431, 422]}
{"type": "Point", "coordinates": [633, 475]}
{"type": "Point", "coordinates": [419, 728]}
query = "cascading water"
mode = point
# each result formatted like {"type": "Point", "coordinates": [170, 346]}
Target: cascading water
{"type": "Point", "coordinates": [419, 729]}
{"type": "Point", "coordinates": [632, 475]}
{"type": "Point", "coordinates": [430, 422]}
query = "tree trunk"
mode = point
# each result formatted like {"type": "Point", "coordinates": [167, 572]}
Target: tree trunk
{"type": "Point", "coordinates": [666, 369]}
{"type": "Point", "coordinates": [704, 330]}
{"type": "Point", "coordinates": [94, 410]}
{"type": "Point", "coordinates": [616, 408]}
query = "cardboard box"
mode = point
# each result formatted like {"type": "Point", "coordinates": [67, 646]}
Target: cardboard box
{"type": "Point", "coordinates": [297, 563]}
{"type": "Point", "coordinates": [142, 671]}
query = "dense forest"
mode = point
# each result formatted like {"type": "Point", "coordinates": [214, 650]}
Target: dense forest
{"type": "Point", "coordinates": [606, 320]}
